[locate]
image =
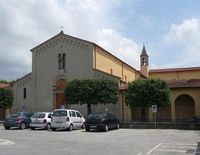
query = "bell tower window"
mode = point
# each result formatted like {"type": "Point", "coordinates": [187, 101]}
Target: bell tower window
{"type": "Point", "coordinates": [144, 61]}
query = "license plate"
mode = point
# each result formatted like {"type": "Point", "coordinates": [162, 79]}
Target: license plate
{"type": "Point", "coordinates": [93, 126]}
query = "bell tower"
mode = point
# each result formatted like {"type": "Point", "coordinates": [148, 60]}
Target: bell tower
{"type": "Point", "coordinates": [144, 62]}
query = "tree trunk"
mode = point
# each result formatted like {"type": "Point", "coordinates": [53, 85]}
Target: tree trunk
{"type": "Point", "coordinates": [143, 113]}
{"type": "Point", "coordinates": [89, 110]}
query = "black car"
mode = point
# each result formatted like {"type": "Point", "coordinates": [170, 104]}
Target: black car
{"type": "Point", "coordinates": [101, 121]}
{"type": "Point", "coordinates": [19, 119]}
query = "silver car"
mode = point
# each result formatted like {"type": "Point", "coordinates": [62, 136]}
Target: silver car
{"type": "Point", "coordinates": [67, 119]}
{"type": "Point", "coordinates": [41, 120]}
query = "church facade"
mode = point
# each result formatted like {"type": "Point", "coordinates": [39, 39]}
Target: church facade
{"type": "Point", "coordinates": [63, 58]}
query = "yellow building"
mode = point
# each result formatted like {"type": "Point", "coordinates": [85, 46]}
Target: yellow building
{"type": "Point", "coordinates": [184, 84]}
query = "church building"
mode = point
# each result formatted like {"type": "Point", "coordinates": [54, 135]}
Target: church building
{"type": "Point", "coordinates": [63, 58]}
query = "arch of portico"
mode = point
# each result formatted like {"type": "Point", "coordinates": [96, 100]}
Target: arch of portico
{"type": "Point", "coordinates": [185, 104]}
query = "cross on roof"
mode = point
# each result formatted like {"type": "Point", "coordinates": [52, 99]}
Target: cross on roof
{"type": "Point", "coordinates": [61, 28]}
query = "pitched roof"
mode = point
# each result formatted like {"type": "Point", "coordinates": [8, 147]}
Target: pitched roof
{"type": "Point", "coordinates": [61, 33]}
{"type": "Point", "coordinates": [25, 76]}
{"type": "Point", "coordinates": [144, 52]}
{"type": "Point", "coordinates": [89, 42]}
{"type": "Point", "coordinates": [174, 70]}
{"type": "Point", "coordinates": [184, 83]}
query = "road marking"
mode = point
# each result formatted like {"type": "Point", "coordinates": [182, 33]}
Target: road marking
{"type": "Point", "coordinates": [181, 147]}
{"type": "Point", "coordinates": [181, 144]}
{"type": "Point", "coordinates": [180, 151]}
{"type": "Point", "coordinates": [6, 142]}
{"type": "Point", "coordinates": [178, 148]}
{"type": "Point", "coordinates": [150, 151]}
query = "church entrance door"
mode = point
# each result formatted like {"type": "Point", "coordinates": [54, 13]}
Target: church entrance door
{"type": "Point", "coordinates": [59, 101]}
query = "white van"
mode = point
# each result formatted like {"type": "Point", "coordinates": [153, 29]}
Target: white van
{"type": "Point", "coordinates": [66, 119]}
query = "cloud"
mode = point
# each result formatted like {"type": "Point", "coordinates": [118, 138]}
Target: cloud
{"type": "Point", "coordinates": [186, 32]}
{"type": "Point", "coordinates": [187, 36]}
{"type": "Point", "coordinates": [26, 24]}
{"type": "Point", "coordinates": [122, 47]}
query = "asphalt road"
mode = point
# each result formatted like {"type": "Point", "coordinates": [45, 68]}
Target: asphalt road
{"type": "Point", "coordinates": [116, 142]}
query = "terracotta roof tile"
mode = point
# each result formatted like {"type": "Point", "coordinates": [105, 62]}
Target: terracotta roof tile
{"type": "Point", "coordinates": [4, 85]}
{"type": "Point", "coordinates": [184, 83]}
{"type": "Point", "coordinates": [123, 86]}
{"type": "Point", "coordinates": [174, 69]}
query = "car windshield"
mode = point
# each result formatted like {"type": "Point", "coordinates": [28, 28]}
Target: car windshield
{"type": "Point", "coordinates": [96, 116]}
{"type": "Point", "coordinates": [15, 115]}
{"type": "Point", "coordinates": [60, 113]}
{"type": "Point", "coordinates": [39, 115]}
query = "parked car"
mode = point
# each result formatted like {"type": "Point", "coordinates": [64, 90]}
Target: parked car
{"type": "Point", "coordinates": [41, 120]}
{"type": "Point", "coordinates": [67, 119]}
{"type": "Point", "coordinates": [19, 119]}
{"type": "Point", "coordinates": [101, 121]}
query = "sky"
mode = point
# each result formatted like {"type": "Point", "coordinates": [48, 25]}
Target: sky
{"type": "Point", "coordinates": [169, 29]}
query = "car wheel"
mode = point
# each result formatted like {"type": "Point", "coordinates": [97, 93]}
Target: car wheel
{"type": "Point", "coordinates": [32, 128]}
{"type": "Point", "coordinates": [87, 129]}
{"type": "Point", "coordinates": [70, 127]}
{"type": "Point", "coordinates": [6, 127]}
{"type": "Point", "coordinates": [106, 128]}
{"type": "Point", "coordinates": [48, 127]}
{"type": "Point", "coordinates": [83, 126]}
{"type": "Point", "coordinates": [22, 126]}
{"type": "Point", "coordinates": [118, 126]}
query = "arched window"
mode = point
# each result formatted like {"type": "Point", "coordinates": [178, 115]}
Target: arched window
{"type": "Point", "coordinates": [61, 61]}
{"type": "Point", "coordinates": [24, 93]}
{"type": "Point", "coordinates": [60, 84]}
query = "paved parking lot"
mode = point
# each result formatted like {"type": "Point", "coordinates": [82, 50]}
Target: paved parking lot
{"type": "Point", "coordinates": [116, 142]}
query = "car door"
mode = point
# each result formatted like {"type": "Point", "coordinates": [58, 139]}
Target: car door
{"type": "Point", "coordinates": [48, 117]}
{"type": "Point", "coordinates": [27, 118]}
{"type": "Point", "coordinates": [59, 116]}
{"type": "Point", "coordinates": [74, 119]}
{"type": "Point", "coordinates": [111, 120]}
{"type": "Point", "coordinates": [79, 120]}
{"type": "Point", "coordinates": [40, 118]}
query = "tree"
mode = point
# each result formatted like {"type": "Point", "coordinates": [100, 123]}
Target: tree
{"type": "Point", "coordinates": [6, 98]}
{"type": "Point", "coordinates": [147, 92]}
{"type": "Point", "coordinates": [91, 91]}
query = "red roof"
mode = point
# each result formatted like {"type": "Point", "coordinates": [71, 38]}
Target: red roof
{"type": "Point", "coordinates": [4, 85]}
{"type": "Point", "coordinates": [174, 69]}
{"type": "Point", "coordinates": [184, 83]}
{"type": "Point", "coordinates": [123, 86]}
